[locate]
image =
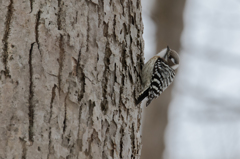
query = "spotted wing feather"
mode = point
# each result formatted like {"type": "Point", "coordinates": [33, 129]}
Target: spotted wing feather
{"type": "Point", "coordinates": [162, 77]}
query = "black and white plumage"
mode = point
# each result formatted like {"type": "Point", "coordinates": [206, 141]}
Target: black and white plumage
{"type": "Point", "coordinates": [157, 74]}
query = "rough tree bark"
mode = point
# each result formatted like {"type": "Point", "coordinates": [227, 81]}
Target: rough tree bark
{"type": "Point", "coordinates": [69, 77]}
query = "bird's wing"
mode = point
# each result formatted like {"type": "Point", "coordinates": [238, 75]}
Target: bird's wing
{"type": "Point", "coordinates": [146, 76]}
{"type": "Point", "coordinates": [162, 77]}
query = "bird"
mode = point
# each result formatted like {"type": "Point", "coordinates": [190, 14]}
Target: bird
{"type": "Point", "coordinates": [157, 74]}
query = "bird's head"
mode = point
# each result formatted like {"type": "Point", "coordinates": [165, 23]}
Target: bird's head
{"type": "Point", "coordinates": [170, 56]}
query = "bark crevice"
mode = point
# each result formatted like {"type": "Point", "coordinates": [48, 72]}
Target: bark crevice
{"type": "Point", "coordinates": [31, 5]}
{"type": "Point", "coordinates": [114, 28]}
{"type": "Point", "coordinates": [121, 142]}
{"type": "Point", "coordinates": [38, 16]}
{"type": "Point", "coordinates": [133, 142]}
{"type": "Point", "coordinates": [81, 77]}
{"type": "Point", "coordinates": [108, 53]}
{"type": "Point", "coordinates": [60, 61]}
{"type": "Point", "coordinates": [65, 114]}
{"type": "Point", "coordinates": [59, 23]}
{"type": "Point", "coordinates": [88, 29]}
{"type": "Point", "coordinates": [61, 45]}
{"type": "Point", "coordinates": [79, 141]}
{"type": "Point", "coordinates": [49, 121]}
{"type": "Point", "coordinates": [31, 94]}
{"type": "Point", "coordinates": [5, 38]}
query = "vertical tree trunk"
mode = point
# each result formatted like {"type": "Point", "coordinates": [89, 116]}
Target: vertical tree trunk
{"type": "Point", "coordinates": [69, 77]}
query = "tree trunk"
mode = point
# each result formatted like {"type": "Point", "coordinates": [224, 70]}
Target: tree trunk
{"type": "Point", "coordinates": [69, 76]}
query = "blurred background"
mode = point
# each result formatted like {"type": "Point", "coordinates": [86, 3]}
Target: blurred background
{"type": "Point", "coordinates": [198, 117]}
